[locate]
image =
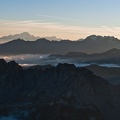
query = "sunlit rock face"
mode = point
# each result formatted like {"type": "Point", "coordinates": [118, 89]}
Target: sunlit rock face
{"type": "Point", "coordinates": [64, 92]}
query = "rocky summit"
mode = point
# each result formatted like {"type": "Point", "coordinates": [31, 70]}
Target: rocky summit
{"type": "Point", "coordinates": [64, 92]}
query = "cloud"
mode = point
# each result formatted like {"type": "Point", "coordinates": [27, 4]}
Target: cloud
{"type": "Point", "coordinates": [45, 28]}
{"type": "Point", "coordinates": [61, 18]}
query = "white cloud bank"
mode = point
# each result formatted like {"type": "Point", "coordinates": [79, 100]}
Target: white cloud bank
{"type": "Point", "coordinates": [44, 28]}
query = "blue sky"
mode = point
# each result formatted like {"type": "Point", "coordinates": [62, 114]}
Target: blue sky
{"type": "Point", "coordinates": [72, 19]}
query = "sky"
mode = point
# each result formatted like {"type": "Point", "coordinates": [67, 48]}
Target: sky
{"type": "Point", "coordinates": [66, 19]}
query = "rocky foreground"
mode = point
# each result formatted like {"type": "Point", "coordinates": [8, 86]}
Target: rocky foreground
{"type": "Point", "coordinates": [64, 92]}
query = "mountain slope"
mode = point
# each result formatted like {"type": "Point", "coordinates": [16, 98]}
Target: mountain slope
{"type": "Point", "coordinates": [55, 93]}
{"type": "Point", "coordinates": [110, 74]}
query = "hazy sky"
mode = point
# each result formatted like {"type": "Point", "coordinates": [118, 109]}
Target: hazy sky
{"type": "Point", "coordinates": [72, 19]}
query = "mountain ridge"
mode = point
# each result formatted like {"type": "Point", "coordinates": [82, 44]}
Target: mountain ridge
{"type": "Point", "coordinates": [111, 56]}
{"type": "Point", "coordinates": [110, 74]}
{"type": "Point", "coordinates": [44, 46]}
{"type": "Point", "coordinates": [61, 92]}
{"type": "Point", "coordinates": [26, 36]}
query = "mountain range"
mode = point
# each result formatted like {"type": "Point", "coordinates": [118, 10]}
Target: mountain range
{"type": "Point", "coordinates": [92, 44]}
{"type": "Point", "coordinates": [64, 92]}
{"type": "Point", "coordinates": [111, 56]}
{"type": "Point", "coordinates": [25, 36]}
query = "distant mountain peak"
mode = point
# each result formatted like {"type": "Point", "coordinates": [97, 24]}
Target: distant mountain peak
{"type": "Point", "coordinates": [24, 35]}
{"type": "Point", "coordinates": [101, 39]}
{"type": "Point", "coordinates": [98, 36]}
{"type": "Point", "coordinates": [113, 50]}
{"type": "Point", "coordinates": [93, 37]}
{"type": "Point", "coordinates": [42, 40]}
{"type": "Point", "coordinates": [53, 38]}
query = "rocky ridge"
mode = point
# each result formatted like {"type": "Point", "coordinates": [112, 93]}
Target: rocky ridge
{"type": "Point", "coordinates": [55, 93]}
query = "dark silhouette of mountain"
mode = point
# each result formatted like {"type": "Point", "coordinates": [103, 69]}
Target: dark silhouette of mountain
{"type": "Point", "coordinates": [43, 67]}
{"type": "Point", "coordinates": [40, 46]}
{"type": "Point", "coordinates": [112, 74]}
{"type": "Point", "coordinates": [70, 55]}
{"type": "Point", "coordinates": [92, 44]}
{"type": "Point", "coordinates": [64, 92]}
{"type": "Point", "coordinates": [110, 56]}
{"type": "Point", "coordinates": [24, 35]}
{"type": "Point", "coordinates": [99, 44]}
